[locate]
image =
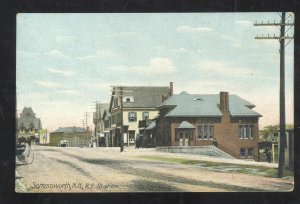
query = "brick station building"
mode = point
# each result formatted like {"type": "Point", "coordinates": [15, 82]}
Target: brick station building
{"type": "Point", "coordinates": [225, 121]}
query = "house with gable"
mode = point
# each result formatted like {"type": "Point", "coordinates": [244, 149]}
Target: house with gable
{"type": "Point", "coordinates": [99, 123]}
{"type": "Point", "coordinates": [28, 123]}
{"type": "Point", "coordinates": [138, 103]}
{"type": "Point", "coordinates": [225, 121]}
{"type": "Point", "coordinates": [107, 132]}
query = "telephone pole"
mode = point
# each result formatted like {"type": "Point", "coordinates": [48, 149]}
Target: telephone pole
{"type": "Point", "coordinates": [119, 93]}
{"type": "Point", "coordinates": [86, 115]}
{"type": "Point", "coordinates": [82, 124]}
{"type": "Point", "coordinates": [122, 131]}
{"type": "Point", "coordinates": [97, 121]}
{"type": "Point", "coordinates": [282, 24]}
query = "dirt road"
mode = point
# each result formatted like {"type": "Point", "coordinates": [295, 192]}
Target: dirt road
{"type": "Point", "coordinates": [71, 169]}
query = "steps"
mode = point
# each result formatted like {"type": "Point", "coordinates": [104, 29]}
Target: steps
{"type": "Point", "coordinates": [199, 150]}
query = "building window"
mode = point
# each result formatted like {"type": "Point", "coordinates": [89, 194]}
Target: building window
{"type": "Point", "coordinates": [251, 131]}
{"type": "Point", "coordinates": [250, 152]}
{"type": "Point", "coordinates": [128, 99]}
{"type": "Point", "coordinates": [242, 152]}
{"type": "Point", "coordinates": [210, 132]}
{"type": "Point", "coordinates": [205, 132]}
{"type": "Point", "coordinates": [246, 131]}
{"type": "Point", "coordinates": [145, 115]}
{"type": "Point", "coordinates": [116, 103]}
{"type": "Point", "coordinates": [241, 132]}
{"type": "Point", "coordinates": [132, 116]}
{"type": "Point", "coordinates": [200, 133]}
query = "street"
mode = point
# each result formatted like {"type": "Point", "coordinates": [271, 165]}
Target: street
{"type": "Point", "coordinates": [71, 169]}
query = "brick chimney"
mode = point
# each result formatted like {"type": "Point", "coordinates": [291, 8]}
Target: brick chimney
{"type": "Point", "coordinates": [224, 101]}
{"type": "Point", "coordinates": [171, 89]}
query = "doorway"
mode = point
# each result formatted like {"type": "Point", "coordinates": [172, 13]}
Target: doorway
{"type": "Point", "coordinates": [183, 137]}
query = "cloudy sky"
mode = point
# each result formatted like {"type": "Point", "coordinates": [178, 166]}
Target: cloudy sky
{"type": "Point", "coordinates": [66, 62]}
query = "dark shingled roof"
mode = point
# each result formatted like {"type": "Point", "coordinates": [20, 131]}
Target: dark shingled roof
{"type": "Point", "coordinates": [197, 105]}
{"type": "Point", "coordinates": [70, 130]}
{"type": "Point", "coordinates": [144, 96]}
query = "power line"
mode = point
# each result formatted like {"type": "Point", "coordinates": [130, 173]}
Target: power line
{"type": "Point", "coordinates": [281, 40]}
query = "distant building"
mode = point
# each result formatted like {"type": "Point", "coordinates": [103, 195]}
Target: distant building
{"type": "Point", "coordinates": [107, 132]}
{"type": "Point", "coordinates": [225, 121]}
{"type": "Point", "coordinates": [28, 123]}
{"type": "Point", "coordinates": [99, 123]}
{"type": "Point", "coordinates": [76, 136]}
{"type": "Point", "coordinates": [139, 103]}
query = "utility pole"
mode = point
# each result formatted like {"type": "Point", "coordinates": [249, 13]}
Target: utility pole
{"type": "Point", "coordinates": [120, 94]}
{"type": "Point", "coordinates": [97, 121]}
{"type": "Point", "coordinates": [86, 115]}
{"type": "Point", "coordinates": [281, 40]}
{"type": "Point", "coordinates": [85, 120]}
{"type": "Point", "coordinates": [82, 123]}
{"type": "Point", "coordinates": [122, 132]}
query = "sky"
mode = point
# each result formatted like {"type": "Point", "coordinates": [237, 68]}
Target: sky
{"type": "Point", "coordinates": [67, 62]}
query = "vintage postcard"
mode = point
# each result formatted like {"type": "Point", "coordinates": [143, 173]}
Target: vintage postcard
{"type": "Point", "coordinates": [155, 102]}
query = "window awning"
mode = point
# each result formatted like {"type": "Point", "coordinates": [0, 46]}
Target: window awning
{"type": "Point", "coordinates": [186, 125]}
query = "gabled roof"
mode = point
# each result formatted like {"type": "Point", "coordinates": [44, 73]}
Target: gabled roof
{"type": "Point", "coordinates": [143, 96]}
{"type": "Point", "coordinates": [28, 119]}
{"type": "Point", "coordinates": [100, 107]}
{"type": "Point", "coordinates": [186, 125]}
{"type": "Point", "coordinates": [27, 111]}
{"type": "Point", "coordinates": [105, 114]}
{"type": "Point", "coordinates": [206, 105]}
{"type": "Point", "coordinates": [70, 130]}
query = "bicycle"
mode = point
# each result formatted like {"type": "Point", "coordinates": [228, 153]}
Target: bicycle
{"type": "Point", "coordinates": [24, 153]}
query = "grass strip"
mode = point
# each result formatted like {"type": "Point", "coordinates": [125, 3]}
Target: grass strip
{"type": "Point", "coordinates": [239, 168]}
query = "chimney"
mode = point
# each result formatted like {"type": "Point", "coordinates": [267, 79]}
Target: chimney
{"type": "Point", "coordinates": [224, 101]}
{"type": "Point", "coordinates": [171, 89]}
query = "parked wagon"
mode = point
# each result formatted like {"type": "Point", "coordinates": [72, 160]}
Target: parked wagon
{"type": "Point", "coordinates": [24, 153]}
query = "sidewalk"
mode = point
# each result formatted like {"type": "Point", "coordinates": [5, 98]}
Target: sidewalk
{"type": "Point", "coordinates": [152, 151]}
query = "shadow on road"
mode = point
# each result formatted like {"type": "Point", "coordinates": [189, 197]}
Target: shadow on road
{"type": "Point", "coordinates": [125, 167]}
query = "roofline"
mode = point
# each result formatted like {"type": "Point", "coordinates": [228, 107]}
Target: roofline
{"type": "Point", "coordinates": [111, 100]}
{"type": "Point", "coordinates": [259, 115]}
{"type": "Point", "coordinates": [132, 108]}
{"type": "Point", "coordinates": [142, 86]}
{"type": "Point", "coordinates": [151, 108]}
{"type": "Point", "coordinates": [211, 116]}
{"type": "Point", "coordinates": [165, 106]}
{"type": "Point", "coordinates": [174, 116]}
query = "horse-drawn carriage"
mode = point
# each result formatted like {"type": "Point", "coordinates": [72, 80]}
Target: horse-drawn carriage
{"type": "Point", "coordinates": [24, 153]}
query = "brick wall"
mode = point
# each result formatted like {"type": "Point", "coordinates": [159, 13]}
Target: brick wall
{"type": "Point", "coordinates": [226, 133]}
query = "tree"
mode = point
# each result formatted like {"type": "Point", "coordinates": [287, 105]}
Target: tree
{"type": "Point", "coordinates": [271, 131]}
{"type": "Point", "coordinates": [268, 132]}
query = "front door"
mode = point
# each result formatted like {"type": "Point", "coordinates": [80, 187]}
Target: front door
{"type": "Point", "coordinates": [183, 138]}
{"type": "Point", "coordinates": [186, 138]}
